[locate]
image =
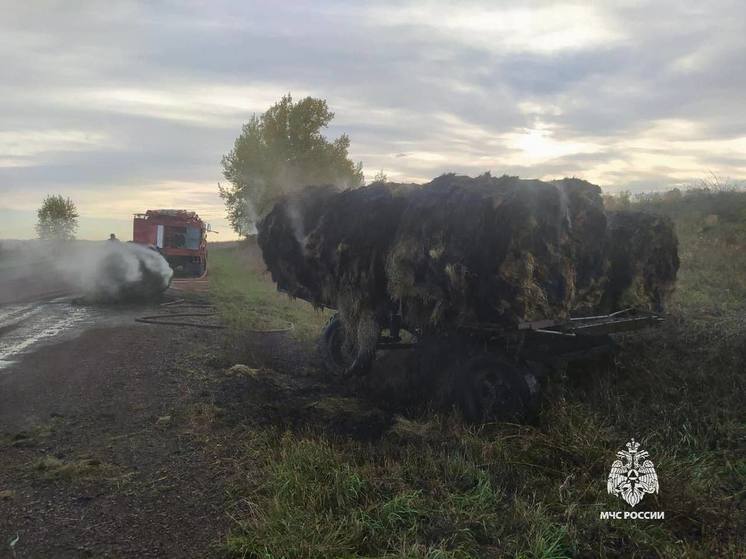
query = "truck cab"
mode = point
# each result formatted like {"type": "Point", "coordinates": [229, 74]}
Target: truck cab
{"type": "Point", "coordinates": [179, 235]}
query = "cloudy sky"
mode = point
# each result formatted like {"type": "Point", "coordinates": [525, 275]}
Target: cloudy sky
{"type": "Point", "coordinates": [125, 106]}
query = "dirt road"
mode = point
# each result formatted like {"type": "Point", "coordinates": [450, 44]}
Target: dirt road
{"type": "Point", "coordinates": [199, 285]}
{"type": "Point", "coordinates": [99, 456]}
{"type": "Point", "coordinates": [117, 441]}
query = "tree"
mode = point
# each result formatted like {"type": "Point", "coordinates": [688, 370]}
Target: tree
{"type": "Point", "coordinates": [58, 219]}
{"type": "Point", "coordinates": [279, 151]}
{"type": "Point", "coordinates": [380, 176]}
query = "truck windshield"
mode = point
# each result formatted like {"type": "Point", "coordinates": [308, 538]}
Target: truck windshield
{"type": "Point", "coordinates": [193, 238]}
{"type": "Point", "coordinates": [183, 237]}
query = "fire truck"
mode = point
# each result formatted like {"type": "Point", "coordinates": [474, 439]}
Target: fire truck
{"type": "Point", "coordinates": [179, 235]}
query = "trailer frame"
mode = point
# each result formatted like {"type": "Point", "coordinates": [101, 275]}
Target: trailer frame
{"type": "Point", "coordinates": [498, 369]}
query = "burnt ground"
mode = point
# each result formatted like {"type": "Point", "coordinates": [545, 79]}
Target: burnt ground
{"type": "Point", "coordinates": [119, 443]}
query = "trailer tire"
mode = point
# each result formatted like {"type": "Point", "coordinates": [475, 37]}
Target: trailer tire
{"type": "Point", "coordinates": [491, 388]}
{"type": "Point", "coordinates": [336, 354]}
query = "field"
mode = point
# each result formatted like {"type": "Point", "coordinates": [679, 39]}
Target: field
{"type": "Point", "coordinates": [431, 486]}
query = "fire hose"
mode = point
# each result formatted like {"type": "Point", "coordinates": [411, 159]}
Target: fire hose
{"type": "Point", "coordinates": [159, 320]}
{"type": "Point", "coordinates": [165, 319]}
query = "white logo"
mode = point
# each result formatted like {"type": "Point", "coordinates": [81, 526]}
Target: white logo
{"type": "Point", "coordinates": [629, 478]}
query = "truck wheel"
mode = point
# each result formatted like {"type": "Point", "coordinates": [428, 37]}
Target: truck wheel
{"type": "Point", "coordinates": [491, 388]}
{"type": "Point", "coordinates": [338, 354]}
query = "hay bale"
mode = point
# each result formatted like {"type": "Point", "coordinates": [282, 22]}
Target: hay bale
{"type": "Point", "coordinates": [123, 273]}
{"type": "Point", "coordinates": [351, 242]}
{"type": "Point", "coordinates": [330, 248]}
{"type": "Point", "coordinates": [497, 250]}
{"type": "Point", "coordinates": [587, 224]}
{"type": "Point", "coordinates": [282, 239]}
{"type": "Point", "coordinates": [462, 250]}
{"type": "Point", "coordinates": [644, 260]}
{"type": "Point", "coordinates": [323, 245]}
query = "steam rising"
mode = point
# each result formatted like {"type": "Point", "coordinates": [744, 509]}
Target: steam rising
{"type": "Point", "coordinates": [123, 271]}
{"type": "Point", "coordinates": [100, 272]}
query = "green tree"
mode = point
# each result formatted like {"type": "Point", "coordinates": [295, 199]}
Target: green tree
{"type": "Point", "coordinates": [57, 219]}
{"type": "Point", "coordinates": [279, 151]}
{"type": "Point", "coordinates": [380, 176]}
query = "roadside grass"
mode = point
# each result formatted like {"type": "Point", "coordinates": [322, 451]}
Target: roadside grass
{"type": "Point", "coordinates": [52, 468]}
{"type": "Point", "coordinates": [246, 298]}
{"type": "Point", "coordinates": [345, 499]}
{"type": "Point", "coordinates": [37, 434]}
{"type": "Point", "coordinates": [435, 487]}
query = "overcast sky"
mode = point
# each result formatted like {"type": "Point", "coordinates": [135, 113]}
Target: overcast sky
{"type": "Point", "coordinates": [128, 106]}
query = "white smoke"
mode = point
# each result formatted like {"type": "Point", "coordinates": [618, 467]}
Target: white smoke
{"type": "Point", "coordinates": [114, 271]}
{"type": "Point", "coordinates": [102, 271]}
{"type": "Point", "coordinates": [564, 205]}
{"type": "Point", "coordinates": [251, 217]}
{"type": "Point", "coordinates": [295, 215]}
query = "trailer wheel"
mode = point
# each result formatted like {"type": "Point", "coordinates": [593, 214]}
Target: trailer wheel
{"type": "Point", "coordinates": [492, 388]}
{"type": "Point", "coordinates": [337, 352]}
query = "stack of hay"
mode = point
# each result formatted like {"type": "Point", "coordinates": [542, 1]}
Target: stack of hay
{"type": "Point", "coordinates": [498, 250]}
{"type": "Point", "coordinates": [644, 259]}
{"type": "Point", "coordinates": [330, 247]}
{"type": "Point", "coordinates": [465, 250]}
{"type": "Point", "coordinates": [282, 238]}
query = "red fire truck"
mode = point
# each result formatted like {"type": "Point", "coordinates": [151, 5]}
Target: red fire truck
{"type": "Point", "coordinates": [179, 235]}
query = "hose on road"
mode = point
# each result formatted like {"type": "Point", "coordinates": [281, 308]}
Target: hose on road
{"type": "Point", "coordinates": [159, 320]}
{"type": "Point", "coordinates": [166, 319]}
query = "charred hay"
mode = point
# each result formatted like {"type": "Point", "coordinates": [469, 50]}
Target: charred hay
{"type": "Point", "coordinates": [282, 237]}
{"type": "Point", "coordinates": [324, 246]}
{"type": "Point", "coordinates": [644, 260]}
{"type": "Point", "coordinates": [464, 250]}
{"type": "Point", "coordinates": [497, 250]}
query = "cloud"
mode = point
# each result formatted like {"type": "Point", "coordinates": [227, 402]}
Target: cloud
{"type": "Point", "coordinates": [133, 106]}
{"type": "Point", "coordinates": [505, 27]}
{"type": "Point", "coordinates": [20, 148]}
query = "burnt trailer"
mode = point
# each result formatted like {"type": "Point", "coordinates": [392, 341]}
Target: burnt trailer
{"type": "Point", "coordinates": [493, 282]}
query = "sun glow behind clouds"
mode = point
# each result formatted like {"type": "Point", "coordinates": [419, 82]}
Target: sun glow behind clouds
{"type": "Point", "coordinates": [538, 144]}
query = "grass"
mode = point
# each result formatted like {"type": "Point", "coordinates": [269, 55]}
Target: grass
{"type": "Point", "coordinates": [435, 487]}
{"type": "Point", "coordinates": [346, 499]}
{"type": "Point", "coordinates": [53, 468]}
{"type": "Point", "coordinates": [247, 299]}
{"type": "Point", "coordinates": [37, 434]}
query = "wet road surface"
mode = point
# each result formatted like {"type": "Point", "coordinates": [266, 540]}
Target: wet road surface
{"type": "Point", "coordinates": [25, 327]}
